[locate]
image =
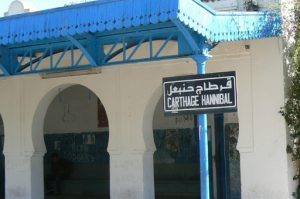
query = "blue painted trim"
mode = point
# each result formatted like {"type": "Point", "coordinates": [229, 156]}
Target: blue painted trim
{"type": "Point", "coordinates": [110, 51]}
{"type": "Point", "coordinates": [124, 49]}
{"type": "Point", "coordinates": [191, 41]}
{"type": "Point", "coordinates": [51, 58]}
{"type": "Point", "coordinates": [83, 50]}
{"type": "Point", "coordinates": [136, 48]}
{"type": "Point", "coordinates": [130, 42]}
{"type": "Point", "coordinates": [41, 58]}
{"type": "Point", "coordinates": [61, 56]}
{"type": "Point", "coordinates": [228, 26]}
{"type": "Point", "coordinates": [79, 60]}
{"type": "Point", "coordinates": [204, 167]}
{"type": "Point", "coordinates": [105, 16]}
{"type": "Point", "coordinates": [164, 45]}
{"type": "Point", "coordinates": [203, 137]}
{"type": "Point", "coordinates": [4, 71]}
{"type": "Point", "coordinates": [26, 52]}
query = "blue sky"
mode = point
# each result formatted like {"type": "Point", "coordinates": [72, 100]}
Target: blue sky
{"type": "Point", "coordinates": [38, 4]}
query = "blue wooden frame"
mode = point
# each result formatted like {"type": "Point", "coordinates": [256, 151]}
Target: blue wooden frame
{"type": "Point", "coordinates": [88, 26]}
{"type": "Point", "coordinates": [28, 58]}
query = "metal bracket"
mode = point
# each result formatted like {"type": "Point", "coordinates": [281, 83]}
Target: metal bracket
{"type": "Point", "coordinates": [4, 61]}
{"type": "Point", "coordinates": [199, 45]}
{"type": "Point", "coordinates": [83, 50]}
{"type": "Point", "coordinates": [4, 71]}
{"type": "Point", "coordinates": [191, 41]}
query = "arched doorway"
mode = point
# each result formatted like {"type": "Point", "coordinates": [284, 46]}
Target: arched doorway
{"type": "Point", "coordinates": [2, 160]}
{"type": "Point", "coordinates": [76, 131]}
{"type": "Point", "coordinates": [176, 160]}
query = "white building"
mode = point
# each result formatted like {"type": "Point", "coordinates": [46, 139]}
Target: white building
{"type": "Point", "coordinates": [85, 81]}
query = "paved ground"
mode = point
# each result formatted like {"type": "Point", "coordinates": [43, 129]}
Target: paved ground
{"type": "Point", "coordinates": [103, 197]}
{"type": "Point", "coordinates": [76, 197]}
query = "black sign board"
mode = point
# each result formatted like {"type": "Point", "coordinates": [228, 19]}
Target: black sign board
{"type": "Point", "coordinates": [214, 92]}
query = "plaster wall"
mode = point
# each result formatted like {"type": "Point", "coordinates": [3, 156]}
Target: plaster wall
{"type": "Point", "coordinates": [73, 110]}
{"type": "Point", "coordinates": [269, 150]}
{"type": "Point", "coordinates": [130, 94]}
{"type": "Point", "coordinates": [262, 137]}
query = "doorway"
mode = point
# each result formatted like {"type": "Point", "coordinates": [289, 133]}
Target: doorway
{"type": "Point", "coordinates": [176, 160]}
{"type": "Point", "coordinates": [76, 132]}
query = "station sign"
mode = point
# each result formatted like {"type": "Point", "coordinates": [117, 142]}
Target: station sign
{"type": "Point", "coordinates": [214, 92]}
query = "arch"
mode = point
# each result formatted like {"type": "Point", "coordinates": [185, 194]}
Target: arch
{"type": "Point", "coordinates": [38, 119]}
{"type": "Point", "coordinates": [148, 118]}
{"type": "Point", "coordinates": [79, 138]}
{"type": "Point", "coordinates": [175, 161]}
{"type": "Point", "coordinates": [37, 131]}
{"type": "Point", "coordinates": [41, 110]}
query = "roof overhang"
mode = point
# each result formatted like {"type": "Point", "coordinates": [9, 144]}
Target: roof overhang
{"type": "Point", "coordinates": [110, 15]}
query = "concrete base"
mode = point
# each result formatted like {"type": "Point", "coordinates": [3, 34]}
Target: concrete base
{"type": "Point", "coordinates": [136, 166]}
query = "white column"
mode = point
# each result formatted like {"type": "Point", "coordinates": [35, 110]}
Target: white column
{"type": "Point", "coordinates": [131, 175]}
{"type": "Point", "coordinates": [24, 176]}
{"type": "Point", "coordinates": [131, 144]}
{"type": "Point", "coordinates": [23, 164]}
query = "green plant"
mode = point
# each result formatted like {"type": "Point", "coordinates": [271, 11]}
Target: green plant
{"type": "Point", "coordinates": [251, 5]}
{"type": "Point", "coordinates": [291, 109]}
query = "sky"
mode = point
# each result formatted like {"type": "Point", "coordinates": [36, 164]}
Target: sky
{"type": "Point", "coordinates": [36, 5]}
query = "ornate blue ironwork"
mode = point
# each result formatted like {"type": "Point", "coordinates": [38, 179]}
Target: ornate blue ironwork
{"type": "Point", "coordinates": [94, 50]}
{"type": "Point", "coordinates": [123, 26]}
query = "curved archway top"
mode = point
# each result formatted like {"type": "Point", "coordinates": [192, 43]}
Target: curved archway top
{"type": "Point", "coordinates": [38, 145]}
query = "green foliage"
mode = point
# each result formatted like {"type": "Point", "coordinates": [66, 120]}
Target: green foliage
{"type": "Point", "coordinates": [291, 110]}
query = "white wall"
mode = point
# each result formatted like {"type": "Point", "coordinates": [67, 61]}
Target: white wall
{"type": "Point", "coordinates": [73, 110]}
{"type": "Point", "coordinates": [262, 138]}
{"type": "Point", "coordinates": [269, 149]}
{"type": "Point", "coordinates": [130, 94]}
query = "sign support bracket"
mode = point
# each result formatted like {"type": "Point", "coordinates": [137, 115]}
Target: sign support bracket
{"type": "Point", "coordinates": [201, 56]}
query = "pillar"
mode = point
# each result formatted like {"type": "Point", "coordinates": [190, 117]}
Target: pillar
{"type": "Point", "coordinates": [131, 146]}
{"type": "Point", "coordinates": [23, 166]}
{"type": "Point", "coordinates": [131, 175]}
{"type": "Point", "coordinates": [24, 176]}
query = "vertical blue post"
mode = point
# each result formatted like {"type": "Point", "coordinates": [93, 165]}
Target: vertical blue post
{"type": "Point", "coordinates": [222, 182]}
{"type": "Point", "coordinates": [203, 140]}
